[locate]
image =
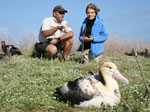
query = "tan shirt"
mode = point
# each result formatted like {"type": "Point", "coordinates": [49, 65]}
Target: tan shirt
{"type": "Point", "coordinates": [49, 23]}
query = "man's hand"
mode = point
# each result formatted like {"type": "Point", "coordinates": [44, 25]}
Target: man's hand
{"type": "Point", "coordinates": [61, 28]}
{"type": "Point", "coordinates": [54, 41]}
{"type": "Point", "coordinates": [86, 39]}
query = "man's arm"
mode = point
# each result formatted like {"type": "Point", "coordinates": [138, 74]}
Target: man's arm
{"type": "Point", "coordinates": [68, 35]}
{"type": "Point", "coordinates": [50, 32]}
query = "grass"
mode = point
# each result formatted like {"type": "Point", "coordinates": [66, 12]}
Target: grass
{"type": "Point", "coordinates": [27, 84]}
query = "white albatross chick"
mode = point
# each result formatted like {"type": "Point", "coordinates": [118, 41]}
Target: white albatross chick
{"type": "Point", "coordinates": [95, 90]}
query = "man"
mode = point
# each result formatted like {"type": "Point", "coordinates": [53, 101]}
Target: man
{"type": "Point", "coordinates": [58, 33]}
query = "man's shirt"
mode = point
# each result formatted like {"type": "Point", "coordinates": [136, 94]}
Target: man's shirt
{"type": "Point", "coordinates": [50, 23]}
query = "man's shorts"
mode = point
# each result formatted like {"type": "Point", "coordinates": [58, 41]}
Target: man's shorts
{"type": "Point", "coordinates": [40, 47]}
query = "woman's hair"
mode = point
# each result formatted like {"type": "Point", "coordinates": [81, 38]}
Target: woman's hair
{"type": "Point", "coordinates": [92, 6]}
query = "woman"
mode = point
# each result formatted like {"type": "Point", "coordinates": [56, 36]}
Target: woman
{"type": "Point", "coordinates": [92, 34]}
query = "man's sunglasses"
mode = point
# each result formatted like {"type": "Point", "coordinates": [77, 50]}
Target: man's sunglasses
{"type": "Point", "coordinates": [60, 12]}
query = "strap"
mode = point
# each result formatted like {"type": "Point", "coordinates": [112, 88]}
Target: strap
{"type": "Point", "coordinates": [83, 40]}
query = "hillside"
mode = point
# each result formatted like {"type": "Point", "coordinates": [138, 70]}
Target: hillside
{"type": "Point", "coordinates": [27, 84]}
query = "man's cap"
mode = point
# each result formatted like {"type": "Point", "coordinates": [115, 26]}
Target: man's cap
{"type": "Point", "coordinates": [59, 8]}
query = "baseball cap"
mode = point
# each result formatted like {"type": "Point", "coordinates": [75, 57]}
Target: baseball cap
{"type": "Point", "coordinates": [59, 8]}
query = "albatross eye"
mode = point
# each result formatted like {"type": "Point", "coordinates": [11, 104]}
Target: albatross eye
{"type": "Point", "coordinates": [110, 67]}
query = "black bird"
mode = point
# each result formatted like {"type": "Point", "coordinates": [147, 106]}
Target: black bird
{"type": "Point", "coordinates": [13, 50]}
{"type": "Point", "coordinates": [143, 53]}
{"type": "Point", "coordinates": [40, 47]}
{"type": "Point", "coordinates": [131, 53]}
{"type": "Point", "coordinates": [7, 55]}
{"type": "Point", "coordinates": [146, 53]}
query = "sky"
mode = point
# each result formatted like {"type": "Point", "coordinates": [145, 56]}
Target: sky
{"type": "Point", "coordinates": [124, 18]}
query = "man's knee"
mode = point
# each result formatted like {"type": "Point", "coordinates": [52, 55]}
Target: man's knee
{"type": "Point", "coordinates": [51, 49]}
{"type": "Point", "coordinates": [70, 42]}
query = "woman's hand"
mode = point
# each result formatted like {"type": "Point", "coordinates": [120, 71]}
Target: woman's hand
{"type": "Point", "coordinates": [86, 39]}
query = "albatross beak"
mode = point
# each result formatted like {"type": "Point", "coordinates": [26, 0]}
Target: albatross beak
{"type": "Point", "coordinates": [118, 75]}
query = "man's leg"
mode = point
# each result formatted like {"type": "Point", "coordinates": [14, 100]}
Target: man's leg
{"type": "Point", "coordinates": [67, 45]}
{"type": "Point", "coordinates": [51, 51]}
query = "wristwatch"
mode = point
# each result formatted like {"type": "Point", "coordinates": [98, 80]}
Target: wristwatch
{"type": "Point", "coordinates": [59, 41]}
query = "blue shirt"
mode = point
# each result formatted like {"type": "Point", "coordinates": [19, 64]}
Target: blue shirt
{"type": "Point", "coordinates": [99, 35]}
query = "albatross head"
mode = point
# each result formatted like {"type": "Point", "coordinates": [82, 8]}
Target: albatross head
{"type": "Point", "coordinates": [110, 69]}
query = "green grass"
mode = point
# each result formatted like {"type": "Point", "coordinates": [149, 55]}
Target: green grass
{"type": "Point", "coordinates": [27, 84]}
